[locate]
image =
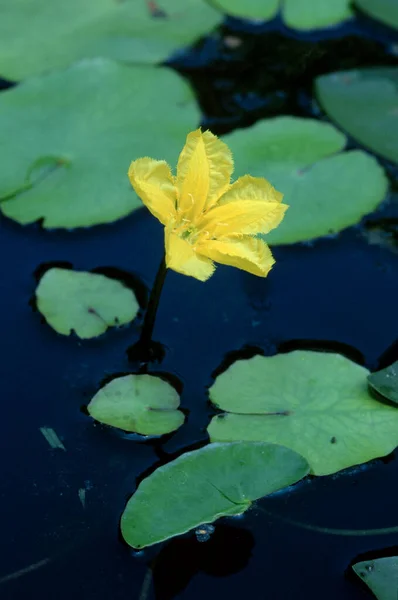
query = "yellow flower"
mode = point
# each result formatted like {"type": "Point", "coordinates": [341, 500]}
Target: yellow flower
{"type": "Point", "coordinates": [207, 218]}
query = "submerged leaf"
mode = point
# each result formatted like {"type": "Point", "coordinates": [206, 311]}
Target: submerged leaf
{"type": "Point", "coordinates": [315, 403]}
{"type": "Point", "coordinates": [86, 303]}
{"type": "Point", "coordinates": [143, 404]}
{"type": "Point", "coordinates": [385, 382]}
{"type": "Point", "coordinates": [380, 575]}
{"type": "Point", "coordinates": [364, 102]}
{"type": "Point", "coordinates": [204, 485]}
{"type": "Point", "coordinates": [71, 134]}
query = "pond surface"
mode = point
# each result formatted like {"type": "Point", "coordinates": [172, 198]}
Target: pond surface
{"type": "Point", "coordinates": [61, 507]}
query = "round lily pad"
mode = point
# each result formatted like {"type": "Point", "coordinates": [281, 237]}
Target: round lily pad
{"type": "Point", "coordinates": [86, 303]}
{"type": "Point", "coordinates": [315, 14]}
{"type": "Point", "coordinates": [385, 11]}
{"type": "Point", "coordinates": [201, 486]}
{"type": "Point", "coordinates": [326, 189]}
{"type": "Point", "coordinates": [143, 404]}
{"type": "Point", "coordinates": [385, 382]}
{"type": "Point", "coordinates": [92, 120]}
{"type": "Point", "coordinates": [249, 9]}
{"type": "Point", "coordinates": [364, 103]}
{"type": "Point", "coordinates": [55, 34]}
{"type": "Point", "coordinates": [298, 14]}
{"type": "Point", "coordinates": [380, 575]}
{"type": "Point", "coordinates": [315, 403]}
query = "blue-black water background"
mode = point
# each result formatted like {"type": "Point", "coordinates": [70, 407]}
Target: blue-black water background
{"type": "Point", "coordinates": [335, 294]}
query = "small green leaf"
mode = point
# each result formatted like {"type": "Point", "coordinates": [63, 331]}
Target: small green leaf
{"type": "Point", "coordinates": [57, 33]}
{"type": "Point", "coordinates": [249, 9]}
{"type": "Point", "coordinates": [364, 103]}
{"type": "Point", "coordinates": [74, 133]}
{"type": "Point", "coordinates": [86, 303]}
{"type": "Point", "coordinates": [314, 14]}
{"type": "Point", "coordinates": [204, 485]}
{"type": "Point", "coordinates": [326, 191]}
{"type": "Point", "coordinates": [315, 403]}
{"type": "Point", "coordinates": [385, 382]}
{"type": "Point", "coordinates": [144, 404]}
{"type": "Point", "coordinates": [380, 575]}
{"type": "Point", "coordinates": [385, 11]}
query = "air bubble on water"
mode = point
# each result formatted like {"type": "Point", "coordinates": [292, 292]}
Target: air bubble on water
{"type": "Point", "coordinates": [204, 532]}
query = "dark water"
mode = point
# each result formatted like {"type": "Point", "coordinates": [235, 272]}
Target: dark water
{"type": "Point", "coordinates": [335, 294]}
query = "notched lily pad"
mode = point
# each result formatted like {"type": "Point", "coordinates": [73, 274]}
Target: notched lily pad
{"type": "Point", "coordinates": [385, 382]}
{"type": "Point", "coordinates": [315, 403]}
{"type": "Point", "coordinates": [204, 485]}
{"type": "Point", "coordinates": [86, 303]}
{"type": "Point", "coordinates": [385, 11]}
{"type": "Point", "coordinates": [298, 14]}
{"type": "Point", "coordinates": [143, 404]}
{"type": "Point", "coordinates": [364, 102]}
{"type": "Point", "coordinates": [71, 136]}
{"type": "Point", "coordinates": [326, 189]}
{"type": "Point", "coordinates": [380, 575]}
{"type": "Point", "coordinates": [59, 33]}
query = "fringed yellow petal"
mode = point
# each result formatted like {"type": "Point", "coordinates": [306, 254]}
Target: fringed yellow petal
{"type": "Point", "coordinates": [154, 184]}
{"type": "Point", "coordinates": [181, 257]}
{"type": "Point", "coordinates": [249, 254]}
{"type": "Point", "coordinates": [204, 170]}
{"type": "Point", "coordinates": [242, 217]}
{"type": "Point", "coordinates": [251, 188]}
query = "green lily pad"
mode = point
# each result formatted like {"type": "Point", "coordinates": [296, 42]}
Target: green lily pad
{"type": "Point", "coordinates": [91, 120]}
{"type": "Point", "coordinates": [86, 303]}
{"type": "Point", "coordinates": [385, 11]}
{"type": "Point", "coordinates": [364, 103]}
{"type": "Point", "coordinates": [298, 14]}
{"type": "Point", "coordinates": [144, 404]}
{"type": "Point", "coordinates": [380, 575]}
{"type": "Point", "coordinates": [327, 189]}
{"type": "Point", "coordinates": [204, 485]}
{"type": "Point", "coordinates": [385, 382]}
{"type": "Point", "coordinates": [314, 14]}
{"type": "Point", "coordinates": [249, 9]}
{"type": "Point", "coordinates": [54, 34]}
{"type": "Point", "coordinates": [315, 403]}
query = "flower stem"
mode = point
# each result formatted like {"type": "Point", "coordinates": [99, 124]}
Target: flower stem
{"type": "Point", "coordinates": [153, 304]}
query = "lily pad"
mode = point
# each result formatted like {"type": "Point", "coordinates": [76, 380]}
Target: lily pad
{"type": "Point", "coordinates": [385, 11]}
{"type": "Point", "coordinates": [86, 303]}
{"type": "Point", "coordinates": [380, 575]}
{"type": "Point", "coordinates": [385, 382]}
{"type": "Point", "coordinates": [54, 34]}
{"type": "Point", "coordinates": [204, 485]}
{"type": "Point", "coordinates": [314, 14]}
{"type": "Point", "coordinates": [364, 103]}
{"type": "Point", "coordinates": [298, 14]}
{"type": "Point", "coordinates": [315, 403]}
{"type": "Point", "coordinates": [327, 189]}
{"type": "Point", "coordinates": [91, 120]}
{"type": "Point", "coordinates": [144, 404]}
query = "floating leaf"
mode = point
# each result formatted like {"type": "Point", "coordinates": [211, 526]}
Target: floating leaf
{"type": "Point", "coordinates": [86, 303]}
{"type": "Point", "coordinates": [201, 486]}
{"type": "Point", "coordinates": [385, 11]}
{"type": "Point", "coordinates": [326, 191]}
{"type": "Point", "coordinates": [380, 575]}
{"type": "Point", "coordinates": [365, 103]}
{"type": "Point", "coordinates": [144, 404]}
{"type": "Point", "coordinates": [298, 14]}
{"type": "Point", "coordinates": [249, 9]}
{"type": "Point", "coordinates": [97, 117]}
{"type": "Point", "coordinates": [313, 14]}
{"type": "Point", "coordinates": [315, 403]}
{"type": "Point", "coordinates": [58, 33]}
{"type": "Point", "coordinates": [385, 382]}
